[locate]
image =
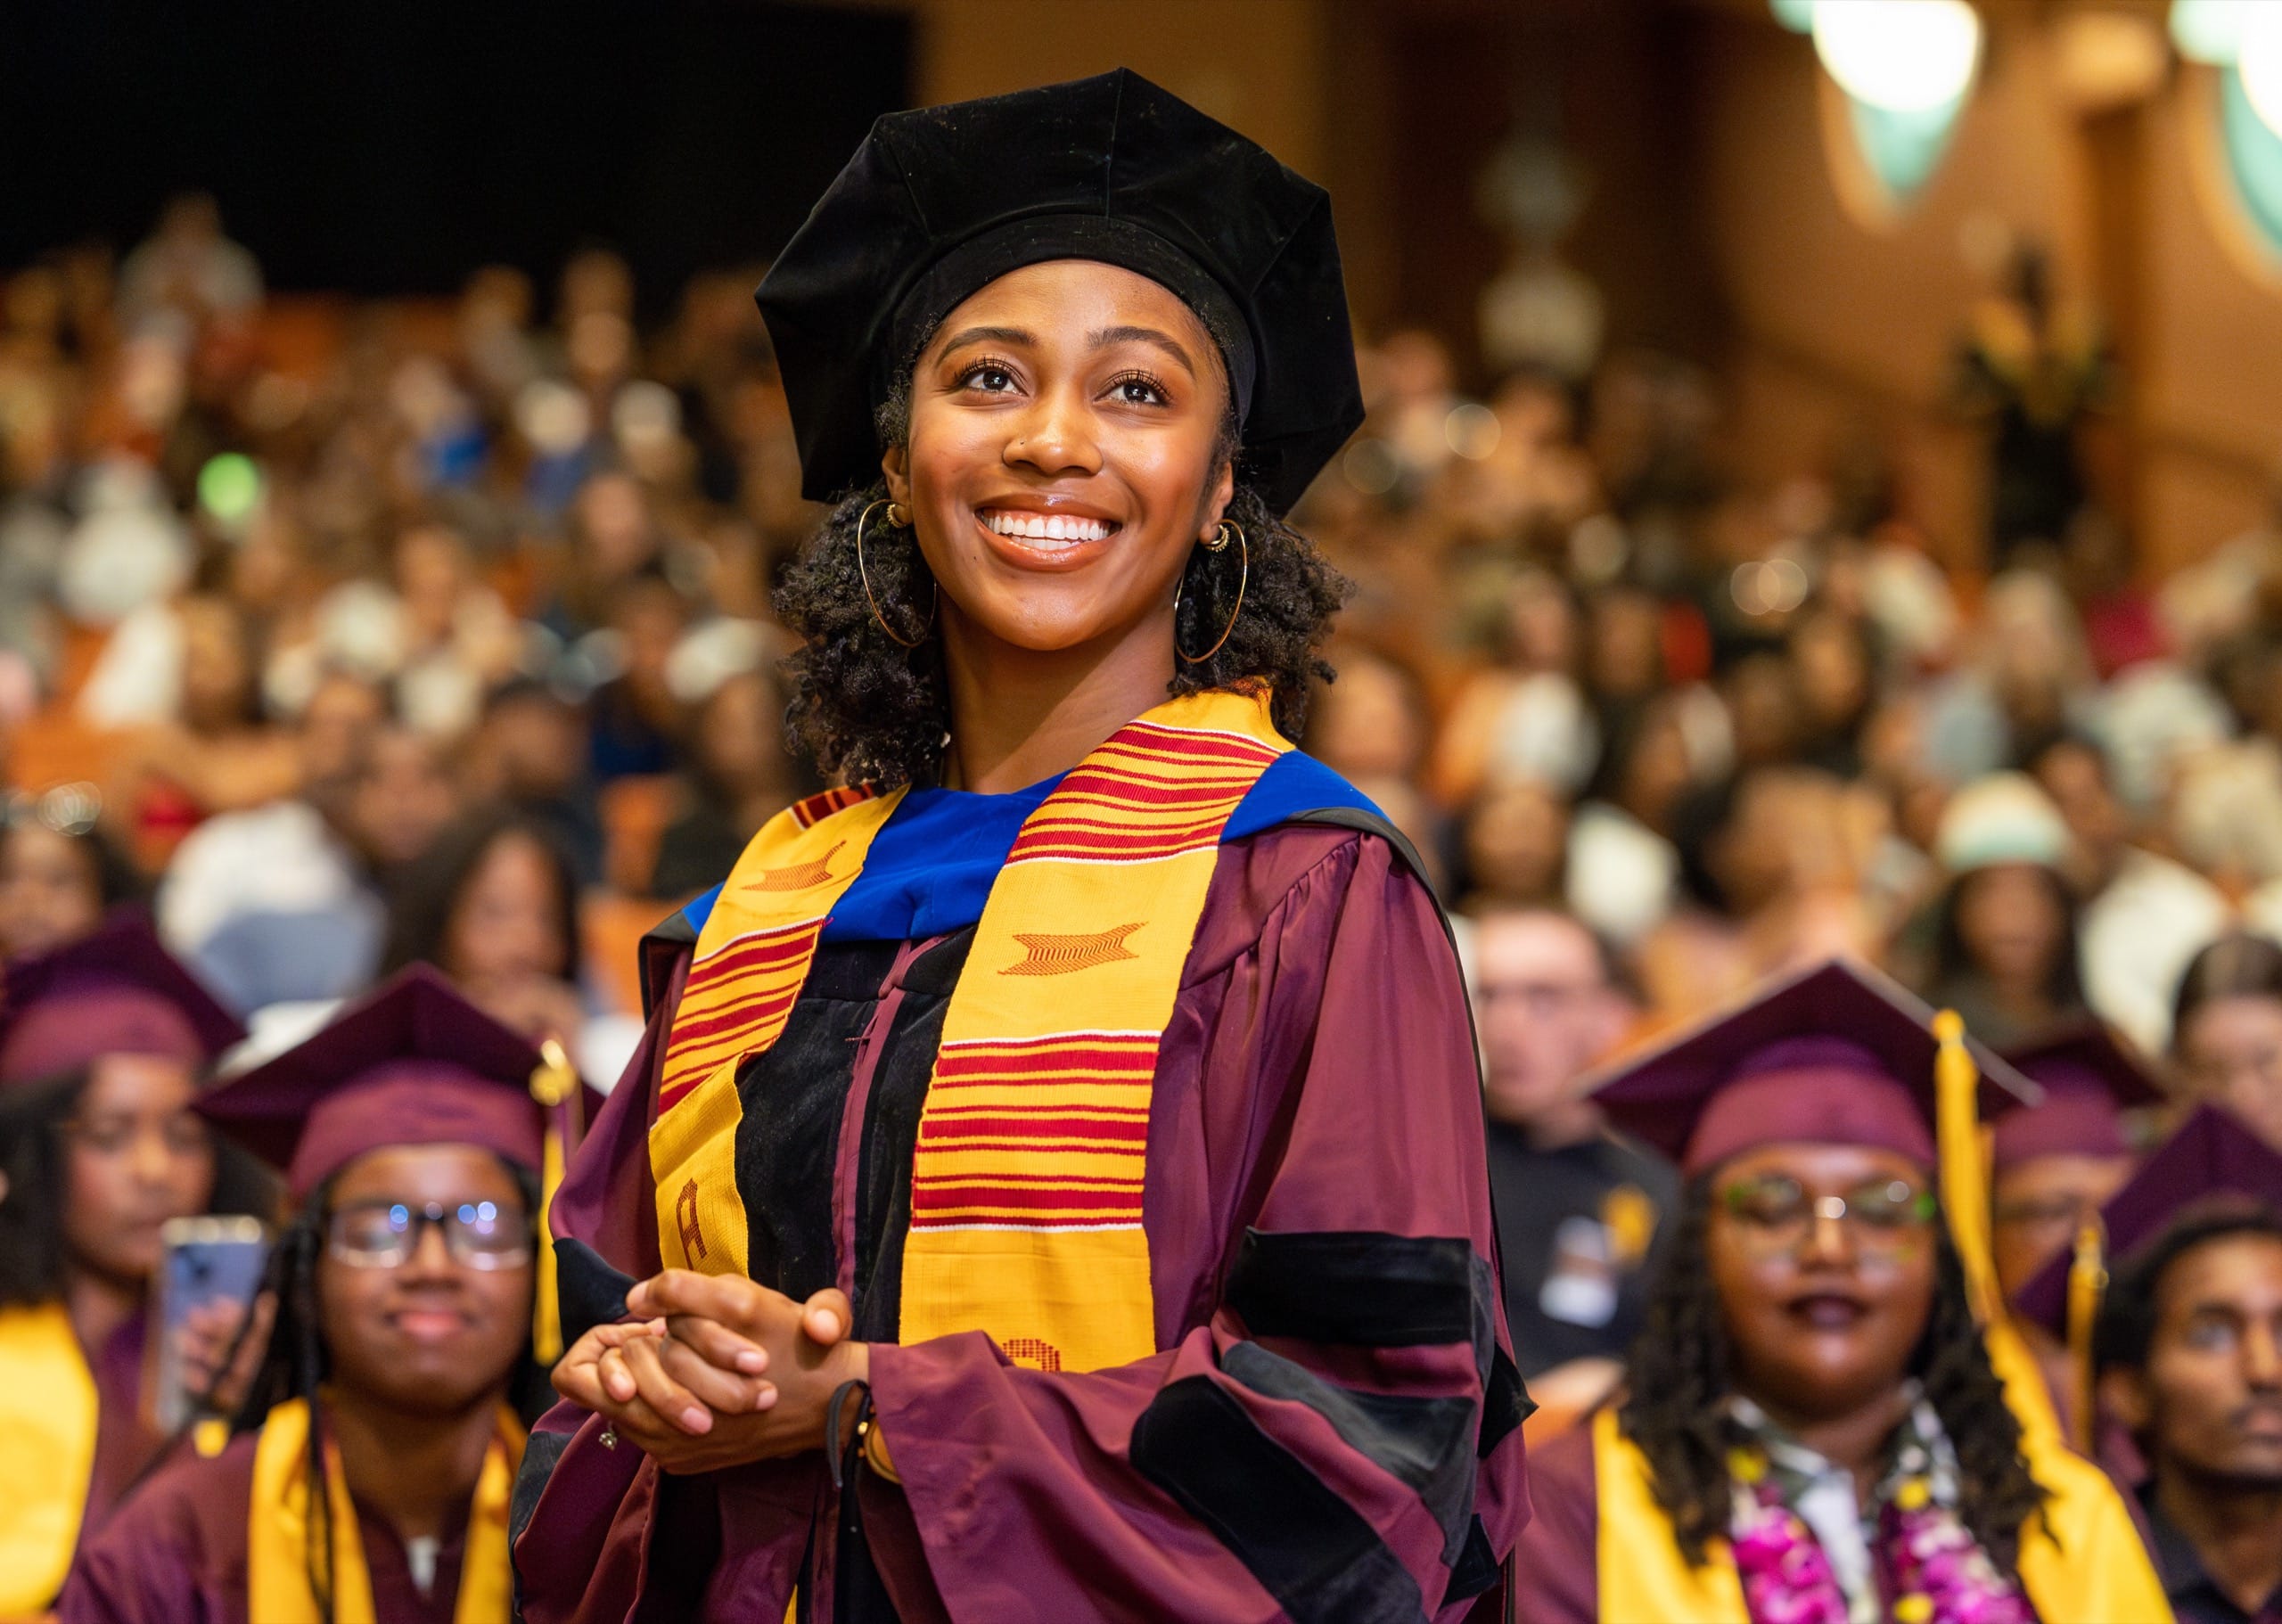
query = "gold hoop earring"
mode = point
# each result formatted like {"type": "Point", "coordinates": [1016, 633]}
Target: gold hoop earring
{"type": "Point", "coordinates": [1218, 541]}
{"type": "Point", "coordinates": [1244, 579]}
{"type": "Point", "coordinates": [865, 576]}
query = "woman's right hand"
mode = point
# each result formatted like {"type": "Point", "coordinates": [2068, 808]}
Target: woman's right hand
{"type": "Point", "coordinates": [667, 1386]}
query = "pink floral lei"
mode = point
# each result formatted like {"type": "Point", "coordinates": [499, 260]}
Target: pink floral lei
{"type": "Point", "coordinates": [1938, 1574]}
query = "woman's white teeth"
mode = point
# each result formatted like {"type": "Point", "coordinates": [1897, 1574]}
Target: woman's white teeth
{"type": "Point", "coordinates": [1046, 526]}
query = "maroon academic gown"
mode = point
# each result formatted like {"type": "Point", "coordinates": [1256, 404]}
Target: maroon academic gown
{"type": "Point", "coordinates": [1557, 1565]}
{"type": "Point", "coordinates": [124, 1444]}
{"type": "Point", "coordinates": [176, 1553]}
{"type": "Point", "coordinates": [1330, 1428]}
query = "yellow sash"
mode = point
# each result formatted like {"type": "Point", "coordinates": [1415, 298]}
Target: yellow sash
{"type": "Point", "coordinates": [47, 1452]}
{"type": "Point", "coordinates": [1026, 1186]}
{"type": "Point", "coordinates": [277, 1575]}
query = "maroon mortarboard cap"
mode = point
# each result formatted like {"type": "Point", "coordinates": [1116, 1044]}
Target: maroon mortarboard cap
{"type": "Point", "coordinates": [116, 992]}
{"type": "Point", "coordinates": [411, 1062]}
{"type": "Point", "coordinates": [1835, 1055]}
{"type": "Point", "coordinates": [2089, 1080]}
{"type": "Point", "coordinates": [2213, 1162]}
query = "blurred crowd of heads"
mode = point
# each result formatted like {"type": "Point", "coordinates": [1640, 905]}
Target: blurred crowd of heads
{"type": "Point", "coordinates": [481, 584]}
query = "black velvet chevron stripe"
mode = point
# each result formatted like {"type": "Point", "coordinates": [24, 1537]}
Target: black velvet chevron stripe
{"type": "Point", "coordinates": [1308, 1547]}
{"type": "Point", "coordinates": [1358, 1286]}
{"type": "Point", "coordinates": [1506, 1405]}
{"type": "Point", "coordinates": [1420, 1441]}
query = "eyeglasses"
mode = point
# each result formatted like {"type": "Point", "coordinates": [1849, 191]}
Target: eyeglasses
{"type": "Point", "coordinates": [385, 1235]}
{"type": "Point", "coordinates": [1882, 1217]}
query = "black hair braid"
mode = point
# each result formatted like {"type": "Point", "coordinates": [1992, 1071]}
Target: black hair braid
{"type": "Point", "coordinates": [867, 708]}
{"type": "Point", "coordinates": [1675, 1411]}
{"type": "Point", "coordinates": [1996, 1494]}
{"type": "Point", "coordinates": [1675, 1407]}
{"type": "Point", "coordinates": [293, 1367]}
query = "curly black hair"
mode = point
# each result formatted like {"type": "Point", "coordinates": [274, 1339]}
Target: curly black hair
{"type": "Point", "coordinates": [1676, 1412]}
{"type": "Point", "coordinates": [868, 709]}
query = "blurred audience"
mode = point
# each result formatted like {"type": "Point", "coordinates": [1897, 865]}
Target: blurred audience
{"type": "Point", "coordinates": [2227, 1030]}
{"type": "Point", "coordinates": [295, 594]}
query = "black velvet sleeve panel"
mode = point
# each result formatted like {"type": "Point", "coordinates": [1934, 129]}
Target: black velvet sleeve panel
{"type": "Point", "coordinates": [1309, 1549]}
{"type": "Point", "coordinates": [1361, 1287]}
{"type": "Point", "coordinates": [1427, 1443]}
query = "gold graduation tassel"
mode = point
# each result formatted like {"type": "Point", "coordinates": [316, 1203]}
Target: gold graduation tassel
{"type": "Point", "coordinates": [1963, 1154]}
{"type": "Point", "coordinates": [2087, 1282]}
{"type": "Point", "coordinates": [1964, 1173]}
{"type": "Point", "coordinates": [554, 1085]}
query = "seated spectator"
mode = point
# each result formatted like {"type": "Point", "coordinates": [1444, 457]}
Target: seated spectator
{"type": "Point", "coordinates": [1770, 878]}
{"type": "Point", "coordinates": [741, 775]}
{"type": "Point", "coordinates": [495, 907]}
{"type": "Point", "coordinates": [1513, 847]}
{"type": "Point", "coordinates": [531, 754]}
{"type": "Point", "coordinates": [635, 723]}
{"type": "Point", "coordinates": [402, 801]}
{"type": "Point", "coordinates": [273, 905]}
{"type": "Point", "coordinates": [2227, 1030]}
{"type": "Point", "coordinates": [59, 875]}
{"type": "Point", "coordinates": [2005, 954]}
{"type": "Point", "coordinates": [1621, 862]}
{"type": "Point", "coordinates": [215, 755]}
{"type": "Point", "coordinates": [2143, 916]}
{"type": "Point", "coordinates": [1577, 1207]}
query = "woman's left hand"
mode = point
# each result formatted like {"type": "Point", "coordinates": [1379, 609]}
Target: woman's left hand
{"type": "Point", "coordinates": [721, 1333]}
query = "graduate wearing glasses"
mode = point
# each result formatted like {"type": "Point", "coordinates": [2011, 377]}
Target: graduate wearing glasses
{"type": "Point", "coordinates": [1820, 1425]}
{"type": "Point", "coordinates": [412, 1132]}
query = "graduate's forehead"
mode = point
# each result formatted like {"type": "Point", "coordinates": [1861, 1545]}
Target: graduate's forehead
{"type": "Point", "coordinates": [424, 1172]}
{"type": "Point", "coordinates": [1080, 306]}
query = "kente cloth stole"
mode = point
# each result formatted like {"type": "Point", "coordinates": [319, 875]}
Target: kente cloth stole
{"type": "Point", "coordinates": [277, 1530]}
{"type": "Point", "coordinates": [47, 1452]}
{"type": "Point", "coordinates": [1026, 1180]}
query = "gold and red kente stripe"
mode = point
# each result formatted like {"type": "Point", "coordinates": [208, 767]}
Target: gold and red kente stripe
{"type": "Point", "coordinates": [753, 959]}
{"type": "Point", "coordinates": [1026, 1189]}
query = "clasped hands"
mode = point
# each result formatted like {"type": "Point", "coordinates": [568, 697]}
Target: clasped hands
{"type": "Point", "coordinates": [713, 1370]}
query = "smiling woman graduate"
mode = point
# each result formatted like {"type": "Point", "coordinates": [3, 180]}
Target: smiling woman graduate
{"type": "Point", "coordinates": [413, 1131]}
{"type": "Point", "coordinates": [1825, 1422]}
{"type": "Point", "coordinates": [1054, 1175]}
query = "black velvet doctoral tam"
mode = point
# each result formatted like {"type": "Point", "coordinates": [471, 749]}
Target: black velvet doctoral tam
{"type": "Point", "coordinates": [938, 201]}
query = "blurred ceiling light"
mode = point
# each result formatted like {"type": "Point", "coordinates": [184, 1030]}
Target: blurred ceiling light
{"type": "Point", "coordinates": [1470, 431]}
{"type": "Point", "coordinates": [1908, 56]}
{"type": "Point", "coordinates": [2109, 60]}
{"type": "Point", "coordinates": [2260, 63]}
{"type": "Point", "coordinates": [2209, 30]}
{"type": "Point", "coordinates": [1796, 15]}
